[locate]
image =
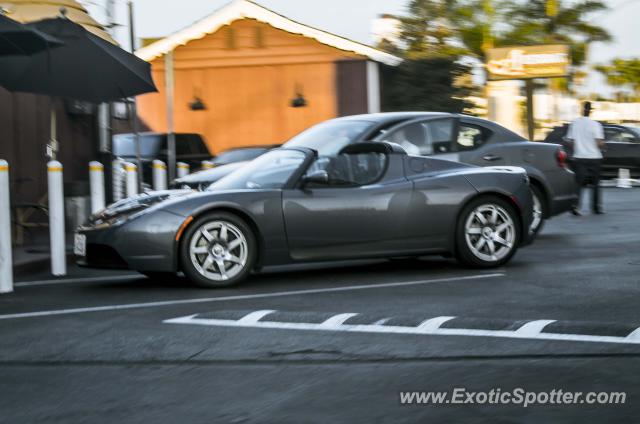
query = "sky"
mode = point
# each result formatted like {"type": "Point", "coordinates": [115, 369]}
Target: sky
{"type": "Point", "coordinates": [353, 19]}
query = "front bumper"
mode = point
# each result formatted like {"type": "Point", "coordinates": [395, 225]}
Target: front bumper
{"type": "Point", "coordinates": [145, 243]}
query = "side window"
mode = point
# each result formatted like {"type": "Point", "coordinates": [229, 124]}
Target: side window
{"type": "Point", "coordinates": [349, 170]}
{"type": "Point", "coordinates": [424, 138]}
{"type": "Point", "coordinates": [618, 135]}
{"type": "Point", "coordinates": [612, 134]}
{"type": "Point", "coordinates": [470, 137]}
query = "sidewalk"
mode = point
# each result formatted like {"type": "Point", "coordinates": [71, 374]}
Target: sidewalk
{"type": "Point", "coordinates": [29, 260]}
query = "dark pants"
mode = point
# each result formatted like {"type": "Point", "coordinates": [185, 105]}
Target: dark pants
{"type": "Point", "coordinates": [588, 174]}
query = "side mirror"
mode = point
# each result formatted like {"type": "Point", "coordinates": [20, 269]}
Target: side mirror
{"type": "Point", "coordinates": [316, 177]}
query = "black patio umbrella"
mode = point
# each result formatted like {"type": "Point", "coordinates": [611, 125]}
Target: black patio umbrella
{"type": "Point", "coordinates": [85, 67]}
{"type": "Point", "coordinates": [19, 39]}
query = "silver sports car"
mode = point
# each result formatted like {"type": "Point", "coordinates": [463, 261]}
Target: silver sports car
{"type": "Point", "coordinates": [291, 205]}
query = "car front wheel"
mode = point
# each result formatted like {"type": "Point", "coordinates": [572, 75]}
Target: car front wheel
{"type": "Point", "coordinates": [218, 250]}
{"type": "Point", "coordinates": [488, 234]}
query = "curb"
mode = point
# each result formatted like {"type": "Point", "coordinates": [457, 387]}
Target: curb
{"type": "Point", "coordinates": [34, 266]}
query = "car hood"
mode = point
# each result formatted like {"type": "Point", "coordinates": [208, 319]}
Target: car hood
{"type": "Point", "coordinates": [125, 208]}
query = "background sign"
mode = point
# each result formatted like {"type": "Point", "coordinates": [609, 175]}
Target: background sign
{"type": "Point", "coordinates": [524, 62]}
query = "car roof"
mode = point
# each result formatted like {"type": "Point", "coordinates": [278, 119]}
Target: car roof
{"type": "Point", "coordinates": [385, 117]}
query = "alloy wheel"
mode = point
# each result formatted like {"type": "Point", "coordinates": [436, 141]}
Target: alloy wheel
{"type": "Point", "coordinates": [537, 213]}
{"type": "Point", "coordinates": [218, 250]}
{"type": "Point", "coordinates": [490, 232]}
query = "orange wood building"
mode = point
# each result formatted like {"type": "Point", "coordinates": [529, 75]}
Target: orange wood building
{"type": "Point", "coordinates": [247, 64]}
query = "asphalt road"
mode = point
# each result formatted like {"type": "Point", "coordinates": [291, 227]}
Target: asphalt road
{"type": "Point", "coordinates": [105, 347]}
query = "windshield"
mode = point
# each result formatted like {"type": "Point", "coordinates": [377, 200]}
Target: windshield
{"type": "Point", "coordinates": [329, 137]}
{"type": "Point", "coordinates": [269, 171]}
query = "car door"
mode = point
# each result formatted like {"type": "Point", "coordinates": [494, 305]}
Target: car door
{"type": "Point", "coordinates": [474, 147]}
{"type": "Point", "coordinates": [358, 213]}
{"type": "Point", "coordinates": [425, 137]}
{"type": "Point", "coordinates": [622, 148]}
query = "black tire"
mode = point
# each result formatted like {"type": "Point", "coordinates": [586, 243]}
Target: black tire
{"type": "Point", "coordinates": [465, 254]}
{"type": "Point", "coordinates": [234, 223]}
{"type": "Point", "coordinates": [538, 193]}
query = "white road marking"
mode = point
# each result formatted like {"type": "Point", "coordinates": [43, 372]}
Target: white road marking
{"type": "Point", "coordinates": [242, 297]}
{"type": "Point", "coordinates": [103, 279]}
{"type": "Point", "coordinates": [434, 323]}
{"type": "Point", "coordinates": [533, 328]}
{"type": "Point", "coordinates": [429, 327]}
{"type": "Point", "coordinates": [337, 320]}
{"type": "Point", "coordinates": [254, 317]}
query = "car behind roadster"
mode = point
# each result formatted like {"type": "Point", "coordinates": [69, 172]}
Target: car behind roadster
{"type": "Point", "coordinates": [290, 205]}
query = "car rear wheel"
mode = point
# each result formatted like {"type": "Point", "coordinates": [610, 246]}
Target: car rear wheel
{"type": "Point", "coordinates": [218, 250]}
{"type": "Point", "coordinates": [539, 211]}
{"type": "Point", "coordinates": [487, 233]}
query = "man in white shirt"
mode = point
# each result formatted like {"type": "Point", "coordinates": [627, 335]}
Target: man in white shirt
{"type": "Point", "coordinates": [587, 138]}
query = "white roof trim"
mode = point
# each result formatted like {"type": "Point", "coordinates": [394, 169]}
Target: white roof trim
{"type": "Point", "coordinates": [241, 9]}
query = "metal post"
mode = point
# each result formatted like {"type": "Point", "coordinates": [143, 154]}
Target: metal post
{"type": "Point", "coordinates": [159, 175]}
{"type": "Point", "coordinates": [104, 128]}
{"type": "Point", "coordinates": [6, 260]}
{"type": "Point", "coordinates": [205, 164]}
{"type": "Point", "coordinates": [117, 179]}
{"type": "Point", "coordinates": [53, 141]}
{"type": "Point", "coordinates": [134, 104]}
{"type": "Point", "coordinates": [171, 137]}
{"type": "Point", "coordinates": [132, 178]}
{"type": "Point", "coordinates": [183, 169]}
{"type": "Point", "coordinates": [56, 219]}
{"type": "Point", "coordinates": [96, 178]}
{"type": "Point", "coordinates": [530, 117]}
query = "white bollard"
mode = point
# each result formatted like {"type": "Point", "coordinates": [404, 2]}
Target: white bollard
{"type": "Point", "coordinates": [624, 178]}
{"type": "Point", "coordinates": [205, 164]}
{"type": "Point", "coordinates": [117, 179]}
{"type": "Point", "coordinates": [96, 179]}
{"type": "Point", "coordinates": [159, 175]}
{"type": "Point", "coordinates": [56, 219]}
{"type": "Point", "coordinates": [6, 260]}
{"type": "Point", "coordinates": [183, 169]}
{"type": "Point", "coordinates": [131, 171]}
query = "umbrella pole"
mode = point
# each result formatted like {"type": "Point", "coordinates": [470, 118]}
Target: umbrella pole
{"type": "Point", "coordinates": [136, 135]}
{"type": "Point", "coordinates": [134, 105]}
{"type": "Point", "coordinates": [53, 137]}
{"type": "Point", "coordinates": [171, 136]}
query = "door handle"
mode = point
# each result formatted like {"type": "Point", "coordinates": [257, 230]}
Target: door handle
{"type": "Point", "coordinates": [491, 158]}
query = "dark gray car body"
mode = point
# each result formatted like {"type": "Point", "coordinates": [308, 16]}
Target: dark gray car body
{"type": "Point", "coordinates": [413, 209]}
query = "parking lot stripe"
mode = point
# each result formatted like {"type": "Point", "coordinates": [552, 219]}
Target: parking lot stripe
{"type": "Point", "coordinates": [534, 328]}
{"type": "Point", "coordinates": [434, 323]}
{"type": "Point", "coordinates": [429, 327]}
{"type": "Point", "coordinates": [243, 297]}
{"type": "Point", "coordinates": [337, 320]}
{"type": "Point", "coordinates": [254, 317]}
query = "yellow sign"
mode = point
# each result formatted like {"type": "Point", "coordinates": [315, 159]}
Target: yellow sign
{"type": "Point", "coordinates": [523, 62]}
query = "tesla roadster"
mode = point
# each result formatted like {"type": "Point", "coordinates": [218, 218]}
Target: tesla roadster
{"type": "Point", "coordinates": [291, 205]}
